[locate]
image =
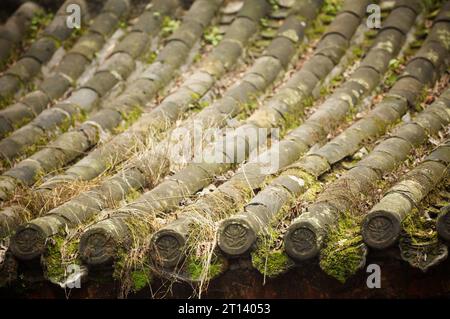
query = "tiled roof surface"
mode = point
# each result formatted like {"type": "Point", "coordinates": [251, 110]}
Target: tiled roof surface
{"type": "Point", "coordinates": [354, 121]}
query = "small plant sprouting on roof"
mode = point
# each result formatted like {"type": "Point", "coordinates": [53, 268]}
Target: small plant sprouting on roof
{"type": "Point", "coordinates": [332, 7]}
{"type": "Point", "coordinates": [419, 229]}
{"type": "Point", "coordinates": [269, 258]}
{"type": "Point", "coordinates": [202, 263]}
{"type": "Point", "coordinates": [169, 26]}
{"type": "Point", "coordinates": [274, 4]}
{"type": "Point", "coordinates": [344, 252]}
{"type": "Point", "coordinates": [212, 36]}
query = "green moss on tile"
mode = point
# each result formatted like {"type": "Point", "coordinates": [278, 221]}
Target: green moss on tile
{"type": "Point", "coordinates": [196, 268]}
{"type": "Point", "coordinates": [169, 26]}
{"type": "Point", "coordinates": [344, 250]}
{"type": "Point", "coordinates": [212, 36]}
